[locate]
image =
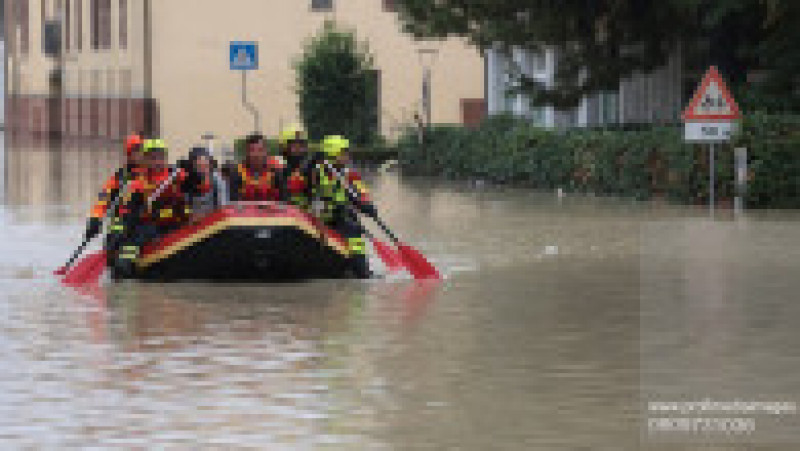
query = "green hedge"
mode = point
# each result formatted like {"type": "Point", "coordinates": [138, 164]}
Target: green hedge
{"type": "Point", "coordinates": [640, 164]}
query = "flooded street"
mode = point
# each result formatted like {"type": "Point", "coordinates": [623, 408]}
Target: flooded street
{"type": "Point", "coordinates": [558, 321]}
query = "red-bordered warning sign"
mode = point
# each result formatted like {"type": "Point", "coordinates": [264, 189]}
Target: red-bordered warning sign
{"type": "Point", "coordinates": [713, 101]}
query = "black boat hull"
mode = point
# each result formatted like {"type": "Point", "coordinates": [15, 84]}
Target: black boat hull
{"type": "Point", "coordinates": [259, 243]}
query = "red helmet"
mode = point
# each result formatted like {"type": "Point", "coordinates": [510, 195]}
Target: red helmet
{"type": "Point", "coordinates": [132, 142]}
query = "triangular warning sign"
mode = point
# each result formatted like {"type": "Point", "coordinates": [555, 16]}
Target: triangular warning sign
{"type": "Point", "coordinates": [713, 101]}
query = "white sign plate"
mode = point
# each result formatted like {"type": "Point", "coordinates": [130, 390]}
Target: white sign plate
{"type": "Point", "coordinates": [709, 132]}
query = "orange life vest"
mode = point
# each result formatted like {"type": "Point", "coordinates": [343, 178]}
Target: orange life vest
{"type": "Point", "coordinates": [170, 207]}
{"type": "Point", "coordinates": [257, 187]}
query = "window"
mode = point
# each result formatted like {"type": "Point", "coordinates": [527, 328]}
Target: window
{"type": "Point", "coordinates": [123, 24]}
{"type": "Point", "coordinates": [51, 38]}
{"type": "Point", "coordinates": [509, 98]}
{"type": "Point", "coordinates": [43, 16]}
{"type": "Point", "coordinates": [67, 25]}
{"type": "Point", "coordinates": [79, 24]}
{"type": "Point", "coordinates": [609, 107]}
{"type": "Point", "coordinates": [539, 62]}
{"type": "Point", "coordinates": [101, 24]}
{"type": "Point", "coordinates": [321, 5]}
{"type": "Point", "coordinates": [538, 115]}
{"type": "Point", "coordinates": [22, 19]}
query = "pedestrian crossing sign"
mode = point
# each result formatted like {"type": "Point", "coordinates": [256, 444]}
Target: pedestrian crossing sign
{"type": "Point", "coordinates": [244, 55]}
{"type": "Point", "coordinates": [713, 101]}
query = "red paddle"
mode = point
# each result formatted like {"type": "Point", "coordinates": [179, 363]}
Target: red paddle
{"type": "Point", "coordinates": [417, 264]}
{"type": "Point", "coordinates": [414, 261]}
{"type": "Point", "coordinates": [390, 258]}
{"type": "Point", "coordinates": [87, 270]}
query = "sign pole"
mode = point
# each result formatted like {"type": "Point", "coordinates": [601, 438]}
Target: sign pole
{"type": "Point", "coordinates": [741, 178]}
{"type": "Point", "coordinates": [711, 117]}
{"type": "Point", "coordinates": [244, 58]}
{"type": "Point", "coordinates": [249, 106]}
{"type": "Point", "coordinates": [711, 177]}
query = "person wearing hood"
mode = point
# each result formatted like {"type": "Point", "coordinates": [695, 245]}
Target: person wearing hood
{"type": "Point", "coordinates": [204, 187]}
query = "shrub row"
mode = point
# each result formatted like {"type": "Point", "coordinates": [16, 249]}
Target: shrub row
{"type": "Point", "coordinates": [643, 164]}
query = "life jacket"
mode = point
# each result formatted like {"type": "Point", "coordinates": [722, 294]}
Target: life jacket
{"type": "Point", "coordinates": [298, 187]}
{"type": "Point", "coordinates": [354, 179]}
{"type": "Point", "coordinates": [257, 187]}
{"type": "Point", "coordinates": [170, 207]}
{"type": "Point", "coordinates": [110, 190]}
{"type": "Point", "coordinates": [331, 192]}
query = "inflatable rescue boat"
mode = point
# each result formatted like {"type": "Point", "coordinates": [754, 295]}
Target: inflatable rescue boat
{"type": "Point", "coordinates": [254, 241]}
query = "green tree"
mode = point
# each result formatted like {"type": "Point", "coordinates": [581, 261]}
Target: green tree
{"type": "Point", "coordinates": [600, 42]}
{"type": "Point", "coordinates": [337, 87]}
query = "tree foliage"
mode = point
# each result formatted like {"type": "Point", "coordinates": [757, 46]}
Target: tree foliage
{"type": "Point", "coordinates": [600, 42]}
{"type": "Point", "coordinates": [337, 87]}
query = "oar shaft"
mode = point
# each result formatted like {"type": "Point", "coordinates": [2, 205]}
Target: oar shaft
{"type": "Point", "coordinates": [385, 229]}
{"type": "Point", "coordinates": [75, 255]}
{"type": "Point", "coordinates": [354, 195]}
{"type": "Point", "coordinates": [163, 186]}
{"type": "Point", "coordinates": [110, 211]}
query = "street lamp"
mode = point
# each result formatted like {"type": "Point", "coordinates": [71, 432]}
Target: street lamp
{"type": "Point", "coordinates": [427, 57]}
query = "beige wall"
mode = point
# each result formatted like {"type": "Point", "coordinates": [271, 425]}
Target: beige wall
{"type": "Point", "coordinates": [197, 92]}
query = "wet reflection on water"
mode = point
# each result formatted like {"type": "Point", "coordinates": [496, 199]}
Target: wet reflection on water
{"type": "Point", "coordinates": [557, 320]}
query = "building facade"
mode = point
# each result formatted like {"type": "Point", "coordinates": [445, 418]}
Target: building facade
{"type": "Point", "coordinates": [77, 69]}
{"type": "Point", "coordinates": [103, 68]}
{"type": "Point", "coordinates": [654, 98]}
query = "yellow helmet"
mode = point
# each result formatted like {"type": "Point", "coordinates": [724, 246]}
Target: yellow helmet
{"type": "Point", "coordinates": [292, 133]}
{"type": "Point", "coordinates": [334, 145]}
{"type": "Point", "coordinates": [150, 145]}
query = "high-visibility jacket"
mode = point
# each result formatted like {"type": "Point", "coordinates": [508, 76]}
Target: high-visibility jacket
{"type": "Point", "coordinates": [337, 198]}
{"type": "Point", "coordinates": [123, 178]}
{"type": "Point", "coordinates": [110, 190]}
{"type": "Point", "coordinates": [331, 192]}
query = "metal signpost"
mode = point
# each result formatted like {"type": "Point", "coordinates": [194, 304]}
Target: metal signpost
{"type": "Point", "coordinates": [244, 58]}
{"type": "Point", "coordinates": [711, 117]}
{"type": "Point", "coordinates": [740, 161]}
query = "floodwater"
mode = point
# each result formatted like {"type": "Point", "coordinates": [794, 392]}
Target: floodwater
{"type": "Point", "coordinates": [557, 324]}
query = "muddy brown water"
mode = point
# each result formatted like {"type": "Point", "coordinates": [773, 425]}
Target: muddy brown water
{"type": "Point", "coordinates": [558, 321]}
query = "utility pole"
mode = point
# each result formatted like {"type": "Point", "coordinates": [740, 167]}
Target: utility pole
{"type": "Point", "coordinates": [427, 56]}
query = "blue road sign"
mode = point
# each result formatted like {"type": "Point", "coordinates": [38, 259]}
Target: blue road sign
{"type": "Point", "coordinates": [244, 55]}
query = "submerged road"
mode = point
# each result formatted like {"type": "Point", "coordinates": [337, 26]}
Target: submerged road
{"type": "Point", "coordinates": [558, 321]}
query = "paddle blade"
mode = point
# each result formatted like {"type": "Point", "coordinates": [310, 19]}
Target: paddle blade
{"type": "Point", "coordinates": [92, 276]}
{"type": "Point", "coordinates": [87, 270]}
{"type": "Point", "coordinates": [389, 256]}
{"type": "Point", "coordinates": [417, 264]}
